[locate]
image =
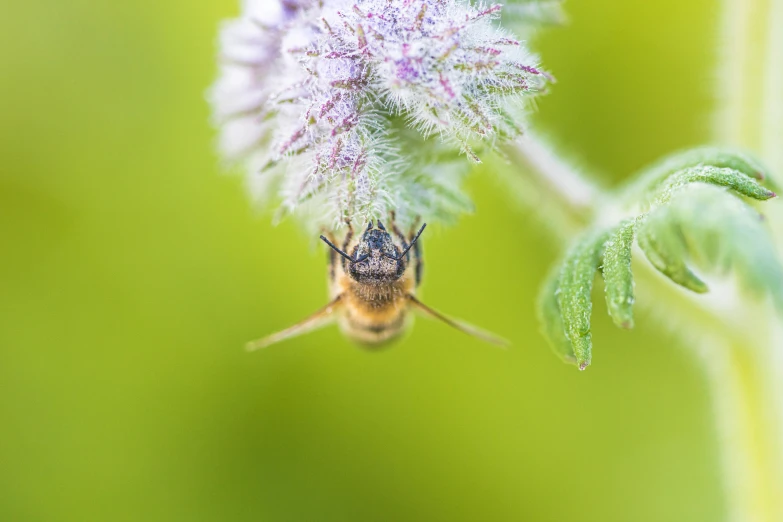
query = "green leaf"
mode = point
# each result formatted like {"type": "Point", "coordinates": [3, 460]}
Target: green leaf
{"type": "Point", "coordinates": [618, 276]}
{"type": "Point", "coordinates": [724, 234]}
{"type": "Point", "coordinates": [717, 157]}
{"type": "Point", "coordinates": [660, 240]}
{"type": "Point", "coordinates": [551, 319]}
{"type": "Point", "coordinates": [690, 217]}
{"type": "Point", "coordinates": [576, 283]}
{"type": "Point", "coordinates": [729, 178]}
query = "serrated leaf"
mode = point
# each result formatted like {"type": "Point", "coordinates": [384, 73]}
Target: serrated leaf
{"type": "Point", "coordinates": [574, 293]}
{"type": "Point", "coordinates": [717, 157]}
{"type": "Point", "coordinates": [723, 233]}
{"type": "Point", "coordinates": [661, 243]}
{"type": "Point", "coordinates": [729, 178]}
{"type": "Point", "coordinates": [551, 319]}
{"type": "Point", "coordinates": [691, 217]}
{"type": "Point", "coordinates": [617, 274]}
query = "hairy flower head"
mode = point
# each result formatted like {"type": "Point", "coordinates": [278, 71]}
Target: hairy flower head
{"type": "Point", "coordinates": [349, 109]}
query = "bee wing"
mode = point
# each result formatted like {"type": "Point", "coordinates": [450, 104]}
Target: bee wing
{"type": "Point", "coordinates": [459, 325]}
{"type": "Point", "coordinates": [319, 319]}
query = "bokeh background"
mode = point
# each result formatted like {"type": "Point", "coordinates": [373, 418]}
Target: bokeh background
{"type": "Point", "coordinates": [132, 271]}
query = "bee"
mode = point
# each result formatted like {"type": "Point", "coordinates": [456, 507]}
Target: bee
{"type": "Point", "coordinates": [372, 284]}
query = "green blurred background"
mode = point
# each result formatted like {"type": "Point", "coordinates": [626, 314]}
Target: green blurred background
{"type": "Point", "coordinates": [132, 272]}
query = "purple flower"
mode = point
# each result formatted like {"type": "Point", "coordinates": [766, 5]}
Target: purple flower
{"type": "Point", "coordinates": [319, 90]}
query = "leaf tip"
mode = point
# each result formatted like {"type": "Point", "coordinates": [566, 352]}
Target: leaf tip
{"type": "Point", "coordinates": [698, 286]}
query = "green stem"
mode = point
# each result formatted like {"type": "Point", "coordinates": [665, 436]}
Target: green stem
{"type": "Point", "coordinates": [555, 189]}
{"type": "Point", "coordinates": [742, 402]}
{"type": "Point", "coordinates": [751, 78]}
{"type": "Point", "coordinates": [751, 116]}
{"type": "Point", "coordinates": [740, 372]}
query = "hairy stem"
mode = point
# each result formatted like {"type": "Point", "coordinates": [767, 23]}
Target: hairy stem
{"type": "Point", "coordinates": [741, 400]}
{"type": "Point", "coordinates": [737, 365]}
{"type": "Point", "coordinates": [740, 372]}
{"type": "Point", "coordinates": [751, 116]}
{"type": "Point", "coordinates": [556, 189]}
{"type": "Point", "coordinates": [751, 78]}
{"type": "Point", "coordinates": [580, 194]}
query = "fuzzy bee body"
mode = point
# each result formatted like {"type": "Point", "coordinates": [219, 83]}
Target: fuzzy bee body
{"type": "Point", "coordinates": [373, 324]}
{"type": "Point", "coordinates": [374, 293]}
{"type": "Point", "coordinates": [373, 314]}
{"type": "Point", "coordinates": [373, 281]}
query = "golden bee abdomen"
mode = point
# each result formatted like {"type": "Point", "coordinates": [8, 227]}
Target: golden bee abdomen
{"type": "Point", "coordinates": [374, 322]}
{"type": "Point", "coordinates": [373, 315]}
{"type": "Point", "coordinates": [374, 331]}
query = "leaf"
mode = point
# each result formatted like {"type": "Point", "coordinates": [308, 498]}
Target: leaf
{"type": "Point", "coordinates": [576, 283]}
{"type": "Point", "coordinates": [618, 276]}
{"type": "Point", "coordinates": [722, 233]}
{"type": "Point", "coordinates": [551, 319]}
{"type": "Point", "coordinates": [661, 243]}
{"type": "Point", "coordinates": [717, 157]}
{"type": "Point", "coordinates": [729, 178]}
{"type": "Point", "coordinates": [691, 217]}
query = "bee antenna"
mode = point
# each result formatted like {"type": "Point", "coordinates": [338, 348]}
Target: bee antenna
{"type": "Point", "coordinates": [380, 225]}
{"type": "Point", "coordinates": [369, 225]}
{"type": "Point", "coordinates": [413, 242]}
{"type": "Point", "coordinates": [346, 256]}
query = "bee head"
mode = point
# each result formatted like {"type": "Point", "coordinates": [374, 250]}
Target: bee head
{"type": "Point", "coordinates": [376, 259]}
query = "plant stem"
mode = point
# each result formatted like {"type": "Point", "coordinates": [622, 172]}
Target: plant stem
{"type": "Point", "coordinates": [751, 78]}
{"type": "Point", "coordinates": [556, 189]}
{"type": "Point", "coordinates": [738, 374]}
{"type": "Point", "coordinates": [580, 195]}
{"type": "Point", "coordinates": [741, 401]}
{"type": "Point", "coordinates": [751, 116]}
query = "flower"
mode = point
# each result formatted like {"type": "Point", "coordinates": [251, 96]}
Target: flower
{"type": "Point", "coordinates": [343, 108]}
